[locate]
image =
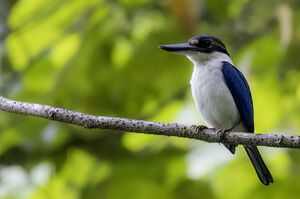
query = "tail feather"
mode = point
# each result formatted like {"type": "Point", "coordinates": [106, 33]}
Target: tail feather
{"type": "Point", "coordinates": [230, 147]}
{"type": "Point", "coordinates": [259, 165]}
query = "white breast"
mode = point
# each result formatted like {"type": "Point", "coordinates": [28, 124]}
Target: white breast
{"type": "Point", "coordinates": [212, 96]}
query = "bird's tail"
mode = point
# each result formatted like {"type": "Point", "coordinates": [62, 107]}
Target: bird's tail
{"type": "Point", "coordinates": [259, 165]}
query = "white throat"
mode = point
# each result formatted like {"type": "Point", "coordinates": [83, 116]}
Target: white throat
{"type": "Point", "coordinates": [204, 58]}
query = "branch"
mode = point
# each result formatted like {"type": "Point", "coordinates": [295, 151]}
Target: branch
{"type": "Point", "coordinates": [147, 127]}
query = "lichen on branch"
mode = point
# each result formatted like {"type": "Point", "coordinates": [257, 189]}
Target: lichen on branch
{"type": "Point", "coordinates": [147, 127]}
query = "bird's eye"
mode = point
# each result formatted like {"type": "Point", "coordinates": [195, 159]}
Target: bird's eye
{"type": "Point", "coordinates": [205, 44]}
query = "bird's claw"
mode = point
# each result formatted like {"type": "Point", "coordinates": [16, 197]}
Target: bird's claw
{"type": "Point", "coordinates": [198, 127]}
{"type": "Point", "coordinates": [221, 133]}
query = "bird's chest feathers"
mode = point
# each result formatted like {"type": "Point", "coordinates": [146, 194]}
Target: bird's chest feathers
{"type": "Point", "coordinates": [212, 96]}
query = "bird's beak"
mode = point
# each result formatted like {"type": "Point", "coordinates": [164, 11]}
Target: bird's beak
{"type": "Point", "coordinates": [179, 48]}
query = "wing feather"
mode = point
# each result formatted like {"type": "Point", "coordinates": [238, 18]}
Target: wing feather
{"type": "Point", "coordinates": [240, 92]}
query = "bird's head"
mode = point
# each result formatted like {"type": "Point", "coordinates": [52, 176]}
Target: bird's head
{"type": "Point", "coordinates": [199, 48]}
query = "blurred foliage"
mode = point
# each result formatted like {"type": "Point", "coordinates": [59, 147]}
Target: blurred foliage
{"type": "Point", "coordinates": [101, 57]}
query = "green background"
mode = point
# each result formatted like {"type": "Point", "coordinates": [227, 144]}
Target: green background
{"type": "Point", "coordinates": [101, 57]}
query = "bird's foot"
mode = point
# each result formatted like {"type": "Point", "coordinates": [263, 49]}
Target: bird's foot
{"type": "Point", "coordinates": [221, 133]}
{"type": "Point", "coordinates": [198, 127]}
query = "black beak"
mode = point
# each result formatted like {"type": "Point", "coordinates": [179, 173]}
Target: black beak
{"type": "Point", "coordinates": [178, 48]}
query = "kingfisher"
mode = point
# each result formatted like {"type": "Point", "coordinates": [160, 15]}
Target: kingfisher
{"type": "Point", "coordinates": [221, 93]}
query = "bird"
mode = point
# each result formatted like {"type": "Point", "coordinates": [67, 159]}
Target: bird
{"type": "Point", "coordinates": [221, 93]}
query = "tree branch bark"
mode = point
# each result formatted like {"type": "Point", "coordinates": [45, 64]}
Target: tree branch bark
{"type": "Point", "coordinates": [147, 127]}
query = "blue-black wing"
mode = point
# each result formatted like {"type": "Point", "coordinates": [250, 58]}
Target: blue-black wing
{"type": "Point", "coordinates": [241, 94]}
